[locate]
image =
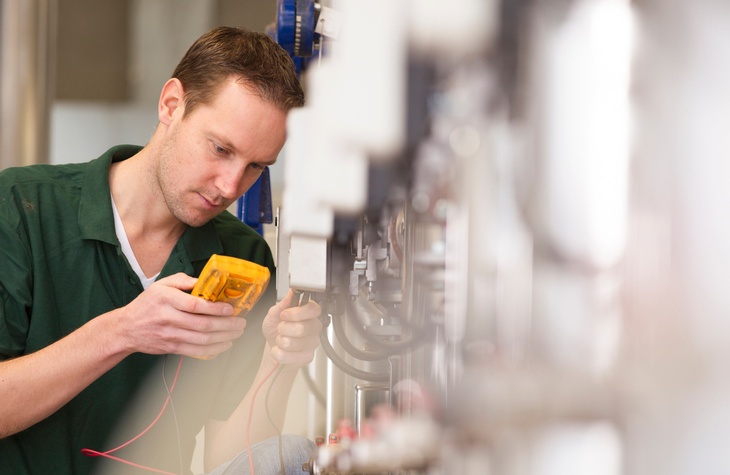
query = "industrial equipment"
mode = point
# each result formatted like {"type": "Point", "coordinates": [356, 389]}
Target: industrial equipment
{"type": "Point", "coordinates": [511, 212]}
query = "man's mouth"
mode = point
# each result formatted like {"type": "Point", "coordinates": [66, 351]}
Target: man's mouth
{"type": "Point", "coordinates": [211, 204]}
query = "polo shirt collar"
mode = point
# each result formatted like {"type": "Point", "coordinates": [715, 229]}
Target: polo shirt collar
{"type": "Point", "coordinates": [96, 219]}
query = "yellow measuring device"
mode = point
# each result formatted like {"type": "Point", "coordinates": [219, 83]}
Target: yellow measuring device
{"type": "Point", "coordinates": [230, 279]}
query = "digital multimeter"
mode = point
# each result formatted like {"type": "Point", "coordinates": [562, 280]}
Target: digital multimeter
{"type": "Point", "coordinates": [230, 279]}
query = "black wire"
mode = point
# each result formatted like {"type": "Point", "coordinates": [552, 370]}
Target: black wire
{"type": "Point", "coordinates": [342, 365]}
{"type": "Point", "coordinates": [271, 421]}
{"type": "Point", "coordinates": [392, 346]}
{"type": "Point", "coordinates": [351, 349]}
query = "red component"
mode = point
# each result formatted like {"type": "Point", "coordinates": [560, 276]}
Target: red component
{"type": "Point", "coordinates": [333, 439]}
{"type": "Point", "coordinates": [319, 441]}
{"type": "Point", "coordinates": [346, 430]}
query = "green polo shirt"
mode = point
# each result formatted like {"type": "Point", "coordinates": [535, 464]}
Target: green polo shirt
{"type": "Point", "coordinates": [61, 265]}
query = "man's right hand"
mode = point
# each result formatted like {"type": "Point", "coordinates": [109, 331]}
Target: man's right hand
{"type": "Point", "coordinates": [165, 318]}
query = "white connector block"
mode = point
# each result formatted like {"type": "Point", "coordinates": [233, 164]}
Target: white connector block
{"type": "Point", "coordinates": [304, 174]}
{"type": "Point", "coordinates": [308, 263]}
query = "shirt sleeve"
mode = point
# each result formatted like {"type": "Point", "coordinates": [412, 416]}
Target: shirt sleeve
{"type": "Point", "coordinates": [16, 290]}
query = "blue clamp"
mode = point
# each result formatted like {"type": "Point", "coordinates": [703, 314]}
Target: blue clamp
{"type": "Point", "coordinates": [254, 207]}
{"type": "Point", "coordinates": [294, 30]}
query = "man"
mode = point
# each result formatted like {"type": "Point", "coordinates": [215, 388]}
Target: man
{"type": "Point", "coordinates": [98, 260]}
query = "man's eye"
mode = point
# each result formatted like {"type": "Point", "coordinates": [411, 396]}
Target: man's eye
{"type": "Point", "coordinates": [258, 166]}
{"type": "Point", "coordinates": [220, 150]}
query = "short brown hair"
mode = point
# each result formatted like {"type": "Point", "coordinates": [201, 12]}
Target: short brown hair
{"type": "Point", "coordinates": [255, 58]}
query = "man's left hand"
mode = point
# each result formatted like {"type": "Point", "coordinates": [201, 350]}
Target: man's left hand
{"type": "Point", "coordinates": [292, 332]}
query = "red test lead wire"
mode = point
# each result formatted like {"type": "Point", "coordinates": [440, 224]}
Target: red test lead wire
{"type": "Point", "coordinates": [107, 453]}
{"type": "Point", "coordinates": [250, 416]}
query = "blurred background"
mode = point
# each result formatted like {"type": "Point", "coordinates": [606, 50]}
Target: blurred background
{"type": "Point", "coordinates": [90, 72]}
{"type": "Point", "coordinates": [518, 212]}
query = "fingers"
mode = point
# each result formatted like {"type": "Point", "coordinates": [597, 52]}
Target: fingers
{"type": "Point", "coordinates": [205, 343]}
{"type": "Point", "coordinates": [199, 306]}
{"type": "Point", "coordinates": [189, 303]}
{"type": "Point", "coordinates": [308, 311]}
{"type": "Point", "coordinates": [300, 358]}
{"type": "Point", "coordinates": [299, 327]}
{"type": "Point", "coordinates": [286, 302]}
{"type": "Point", "coordinates": [283, 304]}
{"type": "Point", "coordinates": [201, 322]}
{"type": "Point", "coordinates": [180, 281]}
{"type": "Point", "coordinates": [207, 327]}
{"type": "Point", "coordinates": [206, 352]}
{"type": "Point", "coordinates": [297, 334]}
{"type": "Point", "coordinates": [167, 319]}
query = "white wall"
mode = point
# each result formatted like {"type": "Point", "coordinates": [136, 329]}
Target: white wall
{"type": "Point", "coordinates": [82, 131]}
{"type": "Point", "coordinates": [161, 32]}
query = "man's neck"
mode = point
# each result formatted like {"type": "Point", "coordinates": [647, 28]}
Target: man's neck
{"type": "Point", "coordinates": [151, 229]}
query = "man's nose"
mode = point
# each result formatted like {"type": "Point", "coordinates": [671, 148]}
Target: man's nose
{"type": "Point", "coordinates": [229, 182]}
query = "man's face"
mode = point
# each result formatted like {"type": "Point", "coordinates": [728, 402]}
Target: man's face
{"type": "Point", "coordinates": [211, 157]}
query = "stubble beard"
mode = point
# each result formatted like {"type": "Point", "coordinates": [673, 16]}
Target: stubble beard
{"type": "Point", "coordinates": [173, 197]}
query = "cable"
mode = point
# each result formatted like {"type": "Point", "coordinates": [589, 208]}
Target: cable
{"type": "Point", "coordinates": [389, 347]}
{"type": "Point", "coordinates": [359, 326]}
{"type": "Point", "coordinates": [351, 349]}
{"type": "Point", "coordinates": [174, 412]}
{"type": "Point", "coordinates": [301, 299]}
{"type": "Point", "coordinates": [94, 453]}
{"type": "Point", "coordinates": [271, 420]}
{"type": "Point", "coordinates": [250, 416]}
{"type": "Point", "coordinates": [107, 453]}
{"type": "Point", "coordinates": [344, 366]}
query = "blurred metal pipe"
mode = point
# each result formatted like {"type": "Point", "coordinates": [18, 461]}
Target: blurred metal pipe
{"type": "Point", "coordinates": [27, 37]}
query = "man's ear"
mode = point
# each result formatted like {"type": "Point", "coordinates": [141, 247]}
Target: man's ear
{"type": "Point", "coordinates": [171, 99]}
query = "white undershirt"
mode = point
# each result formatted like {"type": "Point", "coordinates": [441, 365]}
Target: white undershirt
{"type": "Point", "coordinates": [127, 249]}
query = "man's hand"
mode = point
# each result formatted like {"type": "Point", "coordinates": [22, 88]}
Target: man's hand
{"type": "Point", "coordinates": [292, 332]}
{"type": "Point", "coordinates": [165, 318]}
{"type": "Point", "coordinates": [292, 335]}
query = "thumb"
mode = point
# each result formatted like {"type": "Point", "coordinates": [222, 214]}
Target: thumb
{"type": "Point", "coordinates": [282, 305]}
{"type": "Point", "coordinates": [286, 302]}
{"type": "Point", "coordinates": [273, 318]}
{"type": "Point", "coordinates": [180, 281]}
